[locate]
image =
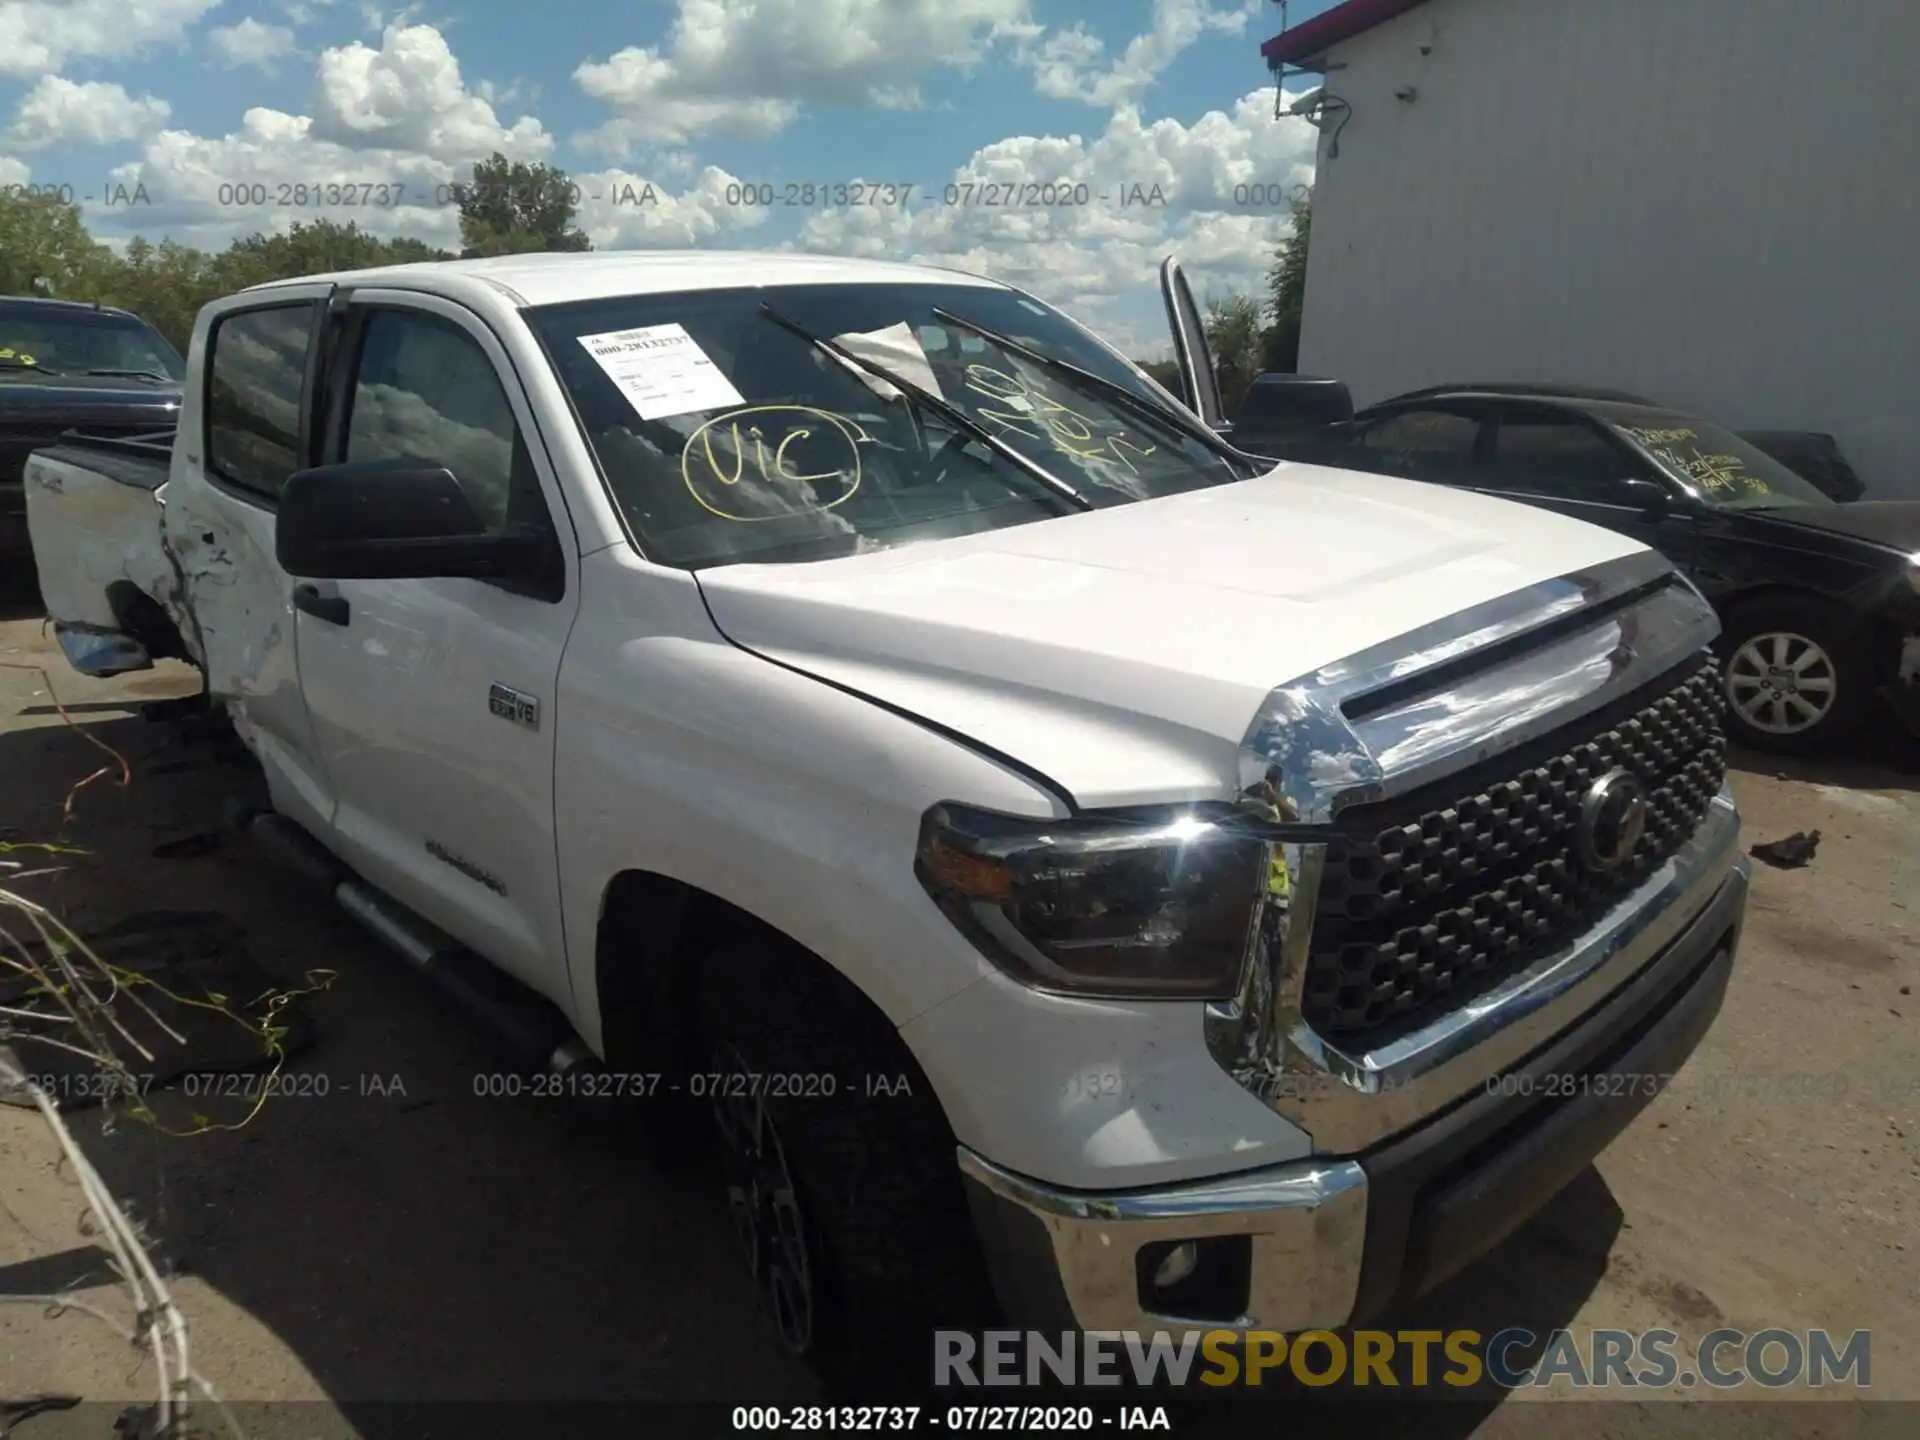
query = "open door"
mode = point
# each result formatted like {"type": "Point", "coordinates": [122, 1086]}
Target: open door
{"type": "Point", "coordinates": [1199, 386]}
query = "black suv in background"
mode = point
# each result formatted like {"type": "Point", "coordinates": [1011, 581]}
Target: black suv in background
{"type": "Point", "coordinates": [68, 366]}
{"type": "Point", "coordinates": [1819, 601]}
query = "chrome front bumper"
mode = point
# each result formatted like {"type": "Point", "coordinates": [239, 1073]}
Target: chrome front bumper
{"type": "Point", "coordinates": [1331, 1240]}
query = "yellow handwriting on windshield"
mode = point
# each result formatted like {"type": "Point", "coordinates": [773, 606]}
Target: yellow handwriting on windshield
{"type": "Point", "coordinates": [9, 353]}
{"type": "Point", "coordinates": [1723, 472]}
{"type": "Point", "coordinates": [1028, 410]}
{"type": "Point", "coordinates": [1718, 473]}
{"type": "Point", "coordinates": [768, 462]}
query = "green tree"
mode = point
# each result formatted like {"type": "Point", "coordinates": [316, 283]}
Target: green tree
{"type": "Point", "coordinates": [1166, 372]}
{"type": "Point", "coordinates": [164, 284]}
{"type": "Point", "coordinates": [511, 207]}
{"type": "Point", "coordinates": [1287, 289]}
{"type": "Point", "coordinates": [314, 248]}
{"type": "Point", "coordinates": [168, 283]}
{"type": "Point", "coordinates": [1236, 334]}
{"type": "Point", "coordinates": [45, 249]}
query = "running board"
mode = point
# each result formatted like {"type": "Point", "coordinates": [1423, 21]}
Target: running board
{"type": "Point", "coordinates": [528, 1024]}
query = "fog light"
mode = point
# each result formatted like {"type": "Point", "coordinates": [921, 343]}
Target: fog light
{"type": "Point", "coordinates": [1177, 1265]}
{"type": "Point", "coordinates": [1199, 1280]}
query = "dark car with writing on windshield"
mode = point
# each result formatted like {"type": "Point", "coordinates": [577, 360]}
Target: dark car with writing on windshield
{"type": "Point", "coordinates": [1819, 601]}
{"type": "Point", "coordinates": [69, 366]}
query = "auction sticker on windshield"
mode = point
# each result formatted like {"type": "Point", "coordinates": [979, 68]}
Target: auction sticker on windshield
{"type": "Point", "coordinates": [661, 370]}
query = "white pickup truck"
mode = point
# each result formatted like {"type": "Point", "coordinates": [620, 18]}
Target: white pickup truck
{"type": "Point", "coordinates": [1090, 877]}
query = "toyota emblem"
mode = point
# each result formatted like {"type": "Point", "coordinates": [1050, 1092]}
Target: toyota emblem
{"type": "Point", "coordinates": [1612, 818]}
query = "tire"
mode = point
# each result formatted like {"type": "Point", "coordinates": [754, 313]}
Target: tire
{"type": "Point", "coordinates": [879, 1229]}
{"type": "Point", "coordinates": [1817, 657]}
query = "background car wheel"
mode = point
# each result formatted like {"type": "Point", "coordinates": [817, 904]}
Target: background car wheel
{"type": "Point", "coordinates": [1796, 675]}
{"type": "Point", "coordinates": [839, 1170]}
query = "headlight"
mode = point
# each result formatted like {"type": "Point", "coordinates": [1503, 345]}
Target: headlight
{"type": "Point", "coordinates": [1157, 905]}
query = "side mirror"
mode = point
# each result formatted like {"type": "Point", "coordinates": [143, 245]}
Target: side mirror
{"type": "Point", "coordinates": [392, 520]}
{"type": "Point", "coordinates": [1649, 495]}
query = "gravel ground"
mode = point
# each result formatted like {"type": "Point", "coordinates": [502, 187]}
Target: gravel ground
{"type": "Point", "coordinates": [401, 1238]}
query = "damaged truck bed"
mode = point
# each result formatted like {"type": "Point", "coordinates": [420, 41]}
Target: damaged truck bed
{"type": "Point", "coordinates": [131, 573]}
{"type": "Point", "coordinates": [95, 511]}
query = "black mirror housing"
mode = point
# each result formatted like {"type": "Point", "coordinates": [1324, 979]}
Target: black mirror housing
{"type": "Point", "coordinates": [391, 520]}
{"type": "Point", "coordinates": [1649, 495]}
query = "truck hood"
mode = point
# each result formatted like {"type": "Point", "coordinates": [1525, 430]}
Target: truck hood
{"type": "Point", "coordinates": [1124, 652]}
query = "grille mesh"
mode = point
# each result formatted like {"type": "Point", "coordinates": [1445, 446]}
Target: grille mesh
{"type": "Point", "coordinates": [1477, 882]}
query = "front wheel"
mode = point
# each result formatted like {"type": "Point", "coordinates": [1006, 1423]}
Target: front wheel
{"type": "Point", "coordinates": [838, 1169]}
{"type": "Point", "coordinates": [1796, 675]}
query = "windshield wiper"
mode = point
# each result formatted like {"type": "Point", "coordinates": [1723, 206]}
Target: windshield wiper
{"type": "Point", "coordinates": [163, 378]}
{"type": "Point", "coordinates": [945, 409]}
{"type": "Point", "coordinates": [1112, 389]}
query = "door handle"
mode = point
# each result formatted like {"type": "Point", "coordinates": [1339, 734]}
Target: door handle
{"type": "Point", "coordinates": [330, 608]}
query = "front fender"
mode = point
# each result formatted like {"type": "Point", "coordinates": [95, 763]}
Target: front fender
{"type": "Point", "coordinates": [681, 755]}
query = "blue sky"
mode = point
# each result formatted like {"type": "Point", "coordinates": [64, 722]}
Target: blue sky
{"type": "Point", "coordinates": [211, 115]}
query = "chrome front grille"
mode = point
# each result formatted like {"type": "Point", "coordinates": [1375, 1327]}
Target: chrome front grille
{"type": "Point", "coordinates": [1438, 894]}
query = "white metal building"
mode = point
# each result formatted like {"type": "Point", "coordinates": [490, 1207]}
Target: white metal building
{"type": "Point", "coordinates": [1715, 203]}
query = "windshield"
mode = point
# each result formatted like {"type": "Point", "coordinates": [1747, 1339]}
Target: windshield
{"type": "Point", "coordinates": [727, 438]}
{"type": "Point", "coordinates": [1717, 465]}
{"type": "Point", "coordinates": [77, 342]}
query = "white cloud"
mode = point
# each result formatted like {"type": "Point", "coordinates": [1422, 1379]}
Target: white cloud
{"type": "Point", "coordinates": [14, 172]}
{"type": "Point", "coordinates": [745, 67]}
{"type": "Point", "coordinates": [394, 125]}
{"type": "Point", "coordinates": [250, 43]}
{"type": "Point", "coordinates": [1212, 191]}
{"type": "Point", "coordinates": [389, 130]}
{"type": "Point", "coordinates": [621, 210]}
{"type": "Point", "coordinates": [303, 12]}
{"type": "Point", "coordinates": [408, 95]}
{"type": "Point", "coordinates": [58, 111]}
{"type": "Point", "coordinates": [1071, 64]}
{"type": "Point", "coordinates": [207, 190]}
{"type": "Point", "coordinates": [39, 37]}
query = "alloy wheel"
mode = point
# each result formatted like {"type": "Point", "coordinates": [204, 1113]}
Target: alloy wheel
{"type": "Point", "coordinates": [1781, 683]}
{"type": "Point", "coordinates": [763, 1200]}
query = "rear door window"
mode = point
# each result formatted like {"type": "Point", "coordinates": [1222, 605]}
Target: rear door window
{"type": "Point", "coordinates": [256, 367]}
{"type": "Point", "coordinates": [1426, 444]}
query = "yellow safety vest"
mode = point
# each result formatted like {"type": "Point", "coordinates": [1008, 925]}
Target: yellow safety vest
{"type": "Point", "coordinates": [1279, 882]}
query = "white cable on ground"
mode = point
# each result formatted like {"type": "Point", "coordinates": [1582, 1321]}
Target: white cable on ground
{"type": "Point", "coordinates": [158, 1321]}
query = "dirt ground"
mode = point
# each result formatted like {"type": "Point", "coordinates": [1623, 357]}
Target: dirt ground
{"type": "Point", "coordinates": [403, 1239]}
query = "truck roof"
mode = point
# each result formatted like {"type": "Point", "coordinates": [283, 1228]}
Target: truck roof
{"type": "Point", "coordinates": [543, 278]}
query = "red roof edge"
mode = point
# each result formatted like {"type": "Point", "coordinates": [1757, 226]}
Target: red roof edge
{"type": "Point", "coordinates": [1324, 31]}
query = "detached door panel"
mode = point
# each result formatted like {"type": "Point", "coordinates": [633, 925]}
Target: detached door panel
{"type": "Point", "coordinates": [432, 699]}
{"type": "Point", "coordinates": [1199, 382]}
